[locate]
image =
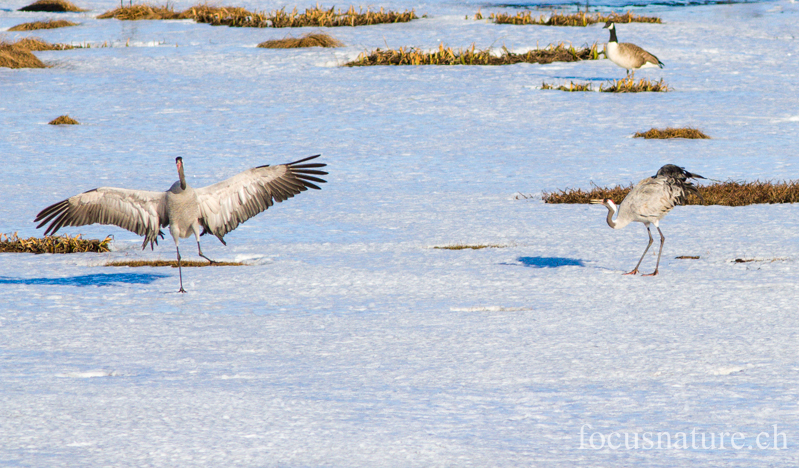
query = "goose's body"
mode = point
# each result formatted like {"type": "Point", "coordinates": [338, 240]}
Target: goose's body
{"type": "Point", "coordinates": [626, 55]}
{"type": "Point", "coordinates": [216, 209]}
{"type": "Point", "coordinates": [649, 201]}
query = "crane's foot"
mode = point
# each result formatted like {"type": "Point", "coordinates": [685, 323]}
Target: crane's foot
{"type": "Point", "coordinates": [634, 272]}
{"type": "Point", "coordinates": [209, 260]}
{"type": "Point", "coordinates": [181, 290]}
{"type": "Point", "coordinates": [654, 273]}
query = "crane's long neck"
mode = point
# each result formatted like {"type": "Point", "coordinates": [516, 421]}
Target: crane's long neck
{"type": "Point", "coordinates": [617, 223]}
{"type": "Point", "coordinates": [182, 177]}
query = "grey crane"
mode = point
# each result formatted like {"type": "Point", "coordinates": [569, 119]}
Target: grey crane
{"type": "Point", "coordinates": [217, 209]}
{"type": "Point", "coordinates": [649, 201]}
{"type": "Point", "coordinates": [626, 55]}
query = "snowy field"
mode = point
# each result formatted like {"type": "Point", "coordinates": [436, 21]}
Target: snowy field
{"type": "Point", "coordinates": [347, 340]}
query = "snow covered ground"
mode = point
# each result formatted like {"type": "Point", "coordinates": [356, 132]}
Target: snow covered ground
{"type": "Point", "coordinates": [348, 340]}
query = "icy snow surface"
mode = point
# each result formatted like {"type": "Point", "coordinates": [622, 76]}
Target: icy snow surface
{"type": "Point", "coordinates": [348, 340]}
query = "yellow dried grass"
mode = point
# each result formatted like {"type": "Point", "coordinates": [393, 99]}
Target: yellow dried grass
{"type": "Point", "coordinates": [625, 85]}
{"type": "Point", "coordinates": [52, 244]}
{"type": "Point", "coordinates": [308, 40]}
{"type": "Point", "coordinates": [723, 193]}
{"type": "Point", "coordinates": [447, 56]}
{"type": "Point", "coordinates": [49, 24]}
{"type": "Point", "coordinates": [574, 19]}
{"type": "Point", "coordinates": [241, 17]}
{"type": "Point", "coordinates": [13, 55]}
{"type": "Point", "coordinates": [669, 132]}
{"type": "Point", "coordinates": [64, 120]}
{"type": "Point", "coordinates": [55, 6]}
{"type": "Point", "coordinates": [469, 246]}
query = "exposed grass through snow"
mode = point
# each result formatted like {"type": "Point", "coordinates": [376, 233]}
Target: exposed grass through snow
{"type": "Point", "coordinates": [575, 19]}
{"type": "Point", "coordinates": [52, 244]}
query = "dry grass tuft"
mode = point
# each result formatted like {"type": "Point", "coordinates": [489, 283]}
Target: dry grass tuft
{"type": "Point", "coordinates": [625, 85]}
{"type": "Point", "coordinates": [49, 24]}
{"type": "Point", "coordinates": [64, 120]}
{"type": "Point", "coordinates": [687, 132]}
{"type": "Point", "coordinates": [687, 257]}
{"type": "Point", "coordinates": [308, 40]}
{"type": "Point", "coordinates": [169, 263]}
{"type": "Point", "coordinates": [469, 246]}
{"type": "Point", "coordinates": [446, 56]}
{"type": "Point", "coordinates": [574, 19]}
{"type": "Point", "coordinates": [571, 88]}
{"type": "Point", "coordinates": [141, 12]}
{"type": "Point", "coordinates": [16, 55]}
{"type": "Point", "coordinates": [37, 45]}
{"type": "Point", "coordinates": [52, 244]}
{"type": "Point", "coordinates": [723, 194]}
{"type": "Point", "coordinates": [628, 85]}
{"type": "Point", "coordinates": [240, 17]}
{"type": "Point", "coordinates": [55, 6]}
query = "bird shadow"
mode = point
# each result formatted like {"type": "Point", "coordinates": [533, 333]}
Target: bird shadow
{"type": "Point", "coordinates": [547, 262]}
{"type": "Point", "coordinates": [100, 279]}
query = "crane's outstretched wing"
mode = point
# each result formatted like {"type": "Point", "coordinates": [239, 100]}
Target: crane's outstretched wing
{"type": "Point", "coordinates": [225, 205]}
{"type": "Point", "coordinates": [137, 211]}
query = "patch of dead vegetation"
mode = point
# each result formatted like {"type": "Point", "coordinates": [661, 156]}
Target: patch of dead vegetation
{"type": "Point", "coordinates": [37, 45]}
{"type": "Point", "coordinates": [469, 246]}
{"type": "Point", "coordinates": [63, 120]}
{"type": "Point", "coordinates": [241, 17]}
{"type": "Point", "coordinates": [54, 6]}
{"type": "Point", "coordinates": [722, 193]}
{"type": "Point", "coordinates": [49, 24]}
{"type": "Point", "coordinates": [687, 257]}
{"type": "Point", "coordinates": [309, 40]}
{"type": "Point", "coordinates": [169, 263]}
{"type": "Point", "coordinates": [446, 56]}
{"type": "Point", "coordinates": [759, 260]}
{"type": "Point", "coordinates": [574, 19]}
{"type": "Point", "coordinates": [52, 244]}
{"type": "Point", "coordinates": [142, 12]}
{"type": "Point", "coordinates": [571, 88]}
{"type": "Point", "coordinates": [625, 85]}
{"type": "Point", "coordinates": [669, 132]}
{"type": "Point", "coordinates": [13, 55]}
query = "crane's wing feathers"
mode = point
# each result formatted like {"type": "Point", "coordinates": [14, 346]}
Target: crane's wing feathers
{"type": "Point", "coordinates": [137, 211]}
{"type": "Point", "coordinates": [225, 205]}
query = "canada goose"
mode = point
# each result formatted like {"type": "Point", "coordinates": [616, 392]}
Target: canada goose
{"type": "Point", "coordinates": [626, 55]}
{"type": "Point", "coordinates": [649, 201]}
{"type": "Point", "coordinates": [216, 209]}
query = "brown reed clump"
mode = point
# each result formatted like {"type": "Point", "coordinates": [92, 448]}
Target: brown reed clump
{"type": "Point", "coordinates": [308, 40]}
{"type": "Point", "coordinates": [13, 55]}
{"type": "Point", "coordinates": [169, 263]}
{"type": "Point", "coordinates": [64, 120]}
{"type": "Point", "coordinates": [55, 6]}
{"type": "Point", "coordinates": [446, 56]}
{"type": "Point", "coordinates": [669, 132]}
{"type": "Point", "coordinates": [49, 24]}
{"type": "Point", "coordinates": [37, 45]}
{"type": "Point", "coordinates": [628, 85]}
{"type": "Point", "coordinates": [240, 17]}
{"type": "Point", "coordinates": [574, 19]}
{"type": "Point", "coordinates": [141, 12]}
{"type": "Point", "coordinates": [571, 88]}
{"type": "Point", "coordinates": [723, 194]}
{"type": "Point", "coordinates": [52, 244]}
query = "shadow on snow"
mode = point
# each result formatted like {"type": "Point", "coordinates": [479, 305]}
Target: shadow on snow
{"type": "Point", "coordinates": [549, 262]}
{"type": "Point", "coordinates": [100, 279]}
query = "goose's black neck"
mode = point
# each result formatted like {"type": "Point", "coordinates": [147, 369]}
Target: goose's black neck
{"type": "Point", "coordinates": [613, 34]}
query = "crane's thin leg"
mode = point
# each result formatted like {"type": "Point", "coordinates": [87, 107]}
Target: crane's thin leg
{"type": "Point", "coordinates": [635, 270]}
{"type": "Point", "coordinates": [180, 271]}
{"type": "Point", "coordinates": [201, 253]}
{"type": "Point", "coordinates": [662, 240]}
